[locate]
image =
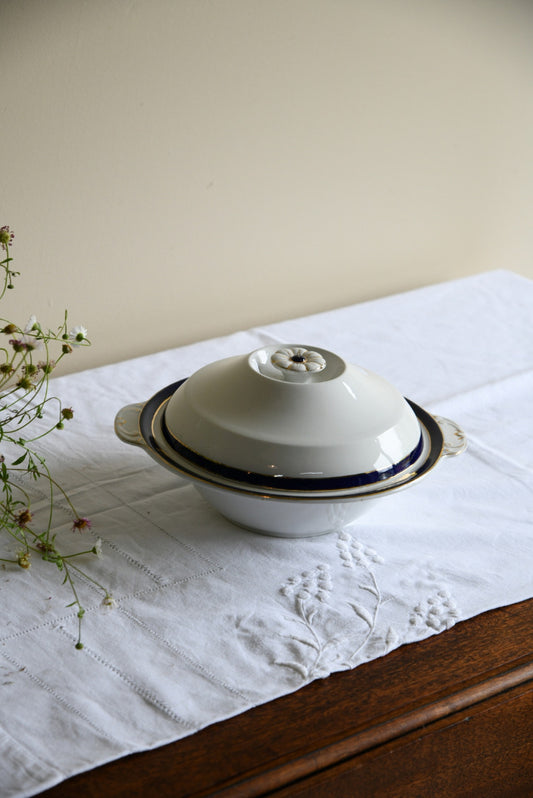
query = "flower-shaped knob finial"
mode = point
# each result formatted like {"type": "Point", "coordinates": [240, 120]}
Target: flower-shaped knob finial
{"type": "Point", "coordinates": [298, 361]}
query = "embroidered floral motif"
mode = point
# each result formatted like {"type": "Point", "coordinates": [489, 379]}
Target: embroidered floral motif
{"type": "Point", "coordinates": [308, 593]}
{"type": "Point", "coordinates": [437, 612]}
{"type": "Point", "coordinates": [337, 626]}
{"type": "Point", "coordinates": [315, 584]}
{"type": "Point", "coordinates": [323, 635]}
{"type": "Point", "coordinates": [353, 553]}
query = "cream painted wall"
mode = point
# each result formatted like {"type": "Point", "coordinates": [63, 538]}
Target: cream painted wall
{"type": "Point", "coordinates": [175, 170]}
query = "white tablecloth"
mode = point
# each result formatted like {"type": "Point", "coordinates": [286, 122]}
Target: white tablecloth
{"type": "Point", "coordinates": [211, 620]}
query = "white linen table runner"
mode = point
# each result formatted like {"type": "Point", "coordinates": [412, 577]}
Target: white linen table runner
{"type": "Point", "coordinates": [210, 619]}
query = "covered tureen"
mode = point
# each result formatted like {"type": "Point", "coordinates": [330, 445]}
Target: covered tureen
{"type": "Point", "coordinates": [289, 441]}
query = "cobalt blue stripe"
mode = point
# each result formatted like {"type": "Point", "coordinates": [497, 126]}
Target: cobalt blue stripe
{"type": "Point", "coordinates": [265, 480]}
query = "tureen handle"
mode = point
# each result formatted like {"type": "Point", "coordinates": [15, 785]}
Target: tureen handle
{"type": "Point", "coordinates": [454, 437]}
{"type": "Point", "coordinates": [127, 424]}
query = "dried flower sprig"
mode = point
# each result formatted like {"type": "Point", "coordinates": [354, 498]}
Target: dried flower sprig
{"type": "Point", "coordinates": [25, 369]}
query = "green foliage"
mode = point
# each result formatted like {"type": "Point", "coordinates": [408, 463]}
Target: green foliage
{"type": "Point", "coordinates": [26, 365]}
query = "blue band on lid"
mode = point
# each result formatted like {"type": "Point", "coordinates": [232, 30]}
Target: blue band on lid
{"type": "Point", "coordinates": [266, 481]}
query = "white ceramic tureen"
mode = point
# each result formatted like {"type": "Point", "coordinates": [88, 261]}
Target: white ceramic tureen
{"type": "Point", "coordinates": [289, 441]}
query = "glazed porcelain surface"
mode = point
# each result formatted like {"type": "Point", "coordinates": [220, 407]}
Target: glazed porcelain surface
{"type": "Point", "coordinates": [289, 441]}
{"type": "Point", "coordinates": [146, 421]}
{"type": "Point", "coordinates": [292, 412]}
{"type": "Point", "coordinates": [269, 515]}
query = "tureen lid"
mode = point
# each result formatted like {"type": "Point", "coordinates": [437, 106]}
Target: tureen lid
{"type": "Point", "coordinates": [292, 412]}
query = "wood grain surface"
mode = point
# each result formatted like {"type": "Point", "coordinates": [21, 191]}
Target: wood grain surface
{"type": "Point", "coordinates": [449, 716]}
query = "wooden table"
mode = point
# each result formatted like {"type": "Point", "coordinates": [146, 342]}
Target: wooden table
{"type": "Point", "coordinates": [449, 716]}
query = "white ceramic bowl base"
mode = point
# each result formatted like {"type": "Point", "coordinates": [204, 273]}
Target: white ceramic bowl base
{"type": "Point", "coordinates": [287, 518]}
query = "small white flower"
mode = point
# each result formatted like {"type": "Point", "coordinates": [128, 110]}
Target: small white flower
{"type": "Point", "coordinates": [32, 323]}
{"type": "Point", "coordinates": [109, 602]}
{"type": "Point", "coordinates": [78, 334]}
{"type": "Point", "coordinates": [98, 547]}
{"type": "Point", "coordinates": [25, 342]}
